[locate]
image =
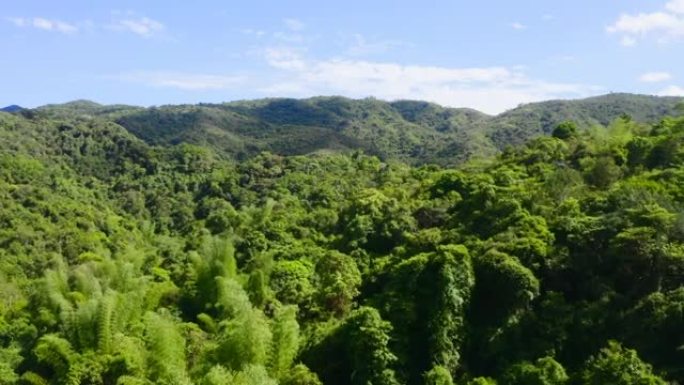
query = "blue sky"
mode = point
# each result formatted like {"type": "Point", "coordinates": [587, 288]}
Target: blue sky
{"type": "Point", "coordinates": [489, 54]}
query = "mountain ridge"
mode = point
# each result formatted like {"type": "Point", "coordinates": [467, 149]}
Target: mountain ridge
{"type": "Point", "coordinates": [12, 108]}
{"type": "Point", "coordinates": [413, 131]}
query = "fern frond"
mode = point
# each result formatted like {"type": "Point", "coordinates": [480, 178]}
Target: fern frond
{"type": "Point", "coordinates": [104, 322]}
{"type": "Point", "coordinates": [166, 348]}
{"type": "Point", "coordinates": [285, 341]}
{"type": "Point", "coordinates": [56, 352]}
{"type": "Point", "coordinates": [31, 378]}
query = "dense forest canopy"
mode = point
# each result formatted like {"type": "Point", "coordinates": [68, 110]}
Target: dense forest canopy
{"type": "Point", "coordinates": [135, 250]}
{"type": "Point", "coordinates": [414, 132]}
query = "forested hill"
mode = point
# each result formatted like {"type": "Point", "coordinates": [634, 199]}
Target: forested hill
{"type": "Point", "coordinates": [411, 131]}
{"type": "Point", "coordinates": [556, 262]}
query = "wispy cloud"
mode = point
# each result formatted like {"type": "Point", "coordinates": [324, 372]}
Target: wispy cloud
{"type": "Point", "coordinates": [490, 89]}
{"type": "Point", "coordinates": [665, 24]}
{"type": "Point", "coordinates": [362, 46]}
{"type": "Point", "coordinates": [182, 80]}
{"type": "Point", "coordinates": [294, 24]}
{"type": "Point", "coordinates": [253, 32]}
{"type": "Point", "coordinates": [44, 24]}
{"type": "Point", "coordinates": [286, 58]}
{"type": "Point", "coordinates": [518, 26]}
{"type": "Point", "coordinates": [292, 33]}
{"type": "Point", "coordinates": [141, 26]}
{"type": "Point", "coordinates": [655, 77]}
{"type": "Point", "coordinates": [672, 91]}
{"type": "Point", "coordinates": [676, 6]}
{"type": "Point", "coordinates": [125, 22]}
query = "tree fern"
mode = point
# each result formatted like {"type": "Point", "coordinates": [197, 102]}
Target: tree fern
{"type": "Point", "coordinates": [86, 281]}
{"type": "Point", "coordinates": [31, 378]}
{"type": "Point", "coordinates": [244, 340]}
{"type": "Point", "coordinates": [232, 300]}
{"type": "Point", "coordinates": [207, 323]}
{"type": "Point", "coordinates": [285, 340]}
{"type": "Point", "coordinates": [253, 375]}
{"type": "Point", "coordinates": [217, 375]}
{"type": "Point", "coordinates": [130, 380]}
{"type": "Point", "coordinates": [128, 309]}
{"type": "Point", "coordinates": [166, 346]}
{"type": "Point", "coordinates": [10, 357]}
{"type": "Point", "coordinates": [86, 369]}
{"type": "Point", "coordinates": [129, 356]}
{"type": "Point", "coordinates": [258, 288]}
{"type": "Point", "coordinates": [54, 290]}
{"type": "Point", "coordinates": [56, 352]}
{"type": "Point", "coordinates": [156, 292]}
{"type": "Point", "coordinates": [105, 325]}
{"type": "Point", "coordinates": [84, 326]}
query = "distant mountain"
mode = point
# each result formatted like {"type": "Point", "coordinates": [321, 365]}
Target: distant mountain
{"type": "Point", "coordinates": [413, 131]}
{"type": "Point", "coordinates": [519, 124]}
{"type": "Point", "coordinates": [12, 108]}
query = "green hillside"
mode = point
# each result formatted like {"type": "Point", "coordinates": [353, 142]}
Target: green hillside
{"type": "Point", "coordinates": [411, 131]}
{"type": "Point", "coordinates": [145, 259]}
{"type": "Point", "coordinates": [531, 120]}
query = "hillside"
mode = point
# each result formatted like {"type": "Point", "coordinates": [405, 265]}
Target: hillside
{"type": "Point", "coordinates": [411, 131]}
{"type": "Point", "coordinates": [557, 262]}
{"type": "Point", "coordinates": [11, 108]}
{"type": "Point", "coordinates": [520, 124]}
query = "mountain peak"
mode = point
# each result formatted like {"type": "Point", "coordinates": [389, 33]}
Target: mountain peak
{"type": "Point", "coordinates": [12, 108]}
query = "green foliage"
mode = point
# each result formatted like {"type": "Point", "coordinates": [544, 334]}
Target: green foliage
{"type": "Point", "coordinates": [565, 130]}
{"type": "Point", "coordinates": [339, 279]}
{"type": "Point", "coordinates": [292, 282]}
{"type": "Point", "coordinates": [426, 300]}
{"type": "Point", "coordinates": [355, 352]}
{"type": "Point", "coordinates": [545, 371]}
{"type": "Point", "coordinates": [438, 375]}
{"type": "Point", "coordinates": [285, 341]}
{"type": "Point", "coordinates": [166, 350]}
{"type": "Point", "coordinates": [617, 365]}
{"type": "Point", "coordinates": [244, 340]}
{"type": "Point", "coordinates": [503, 289]}
{"type": "Point", "coordinates": [125, 263]}
{"type": "Point", "coordinates": [9, 361]}
{"type": "Point", "coordinates": [300, 375]}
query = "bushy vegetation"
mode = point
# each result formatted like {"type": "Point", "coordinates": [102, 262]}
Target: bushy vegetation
{"type": "Point", "coordinates": [414, 132]}
{"type": "Point", "coordinates": [557, 262]}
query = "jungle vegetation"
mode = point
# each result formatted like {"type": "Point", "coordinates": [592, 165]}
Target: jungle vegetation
{"type": "Point", "coordinates": [128, 261]}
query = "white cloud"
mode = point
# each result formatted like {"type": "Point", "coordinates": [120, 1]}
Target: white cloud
{"type": "Point", "coordinates": [18, 21]}
{"type": "Point", "coordinates": [124, 21]}
{"type": "Point", "coordinates": [285, 58]}
{"type": "Point", "coordinates": [490, 89]}
{"type": "Point", "coordinates": [672, 91]}
{"type": "Point", "coordinates": [676, 6]}
{"type": "Point", "coordinates": [44, 24]}
{"type": "Point", "coordinates": [655, 77]}
{"type": "Point", "coordinates": [142, 26]}
{"type": "Point", "coordinates": [518, 26]}
{"type": "Point", "coordinates": [294, 24]}
{"type": "Point", "coordinates": [288, 37]}
{"type": "Point", "coordinates": [183, 81]}
{"type": "Point", "coordinates": [253, 32]}
{"type": "Point", "coordinates": [665, 24]}
{"type": "Point", "coordinates": [644, 23]}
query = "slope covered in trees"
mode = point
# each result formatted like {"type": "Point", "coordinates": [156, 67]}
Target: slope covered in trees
{"type": "Point", "coordinates": [559, 261]}
{"type": "Point", "coordinates": [411, 131]}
